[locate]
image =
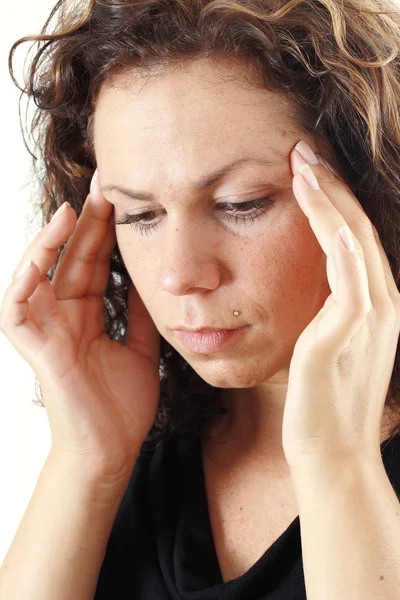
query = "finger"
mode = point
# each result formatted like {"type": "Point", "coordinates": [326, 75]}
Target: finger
{"type": "Point", "coordinates": [44, 248]}
{"type": "Point", "coordinates": [101, 274]}
{"type": "Point", "coordinates": [43, 305]}
{"type": "Point", "coordinates": [326, 216]}
{"type": "Point", "coordinates": [14, 311]}
{"type": "Point", "coordinates": [78, 261]}
{"type": "Point", "coordinates": [352, 302]}
{"type": "Point", "coordinates": [341, 203]}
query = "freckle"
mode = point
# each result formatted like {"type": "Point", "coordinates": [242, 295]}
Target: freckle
{"type": "Point", "coordinates": [241, 508]}
{"type": "Point", "coordinates": [381, 577]}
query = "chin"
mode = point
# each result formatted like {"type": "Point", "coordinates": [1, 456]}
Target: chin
{"type": "Point", "coordinates": [234, 374]}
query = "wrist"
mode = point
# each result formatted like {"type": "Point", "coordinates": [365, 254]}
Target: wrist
{"type": "Point", "coordinates": [328, 471]}
{"type": "Point", "coordinates": [105, 482]}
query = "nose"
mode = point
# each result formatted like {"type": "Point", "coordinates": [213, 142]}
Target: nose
{"type": "Point", "coordinates": [191, 259]}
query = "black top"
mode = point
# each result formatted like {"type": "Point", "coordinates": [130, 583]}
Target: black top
{"type": "Point", "coordinates": [161, 545]}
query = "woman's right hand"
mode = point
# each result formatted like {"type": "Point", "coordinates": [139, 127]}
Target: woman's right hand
{"type": "Point", "coordinates": [101, 396]}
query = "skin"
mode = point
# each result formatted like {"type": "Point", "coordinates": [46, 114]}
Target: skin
{"type": "Point", "coordinates": [160, 136]}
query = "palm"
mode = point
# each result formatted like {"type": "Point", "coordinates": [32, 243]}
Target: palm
{"type": "Point", "coordinates": [111, 390]}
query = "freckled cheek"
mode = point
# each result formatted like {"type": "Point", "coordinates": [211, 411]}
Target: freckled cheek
{"type": "Point", "coordinates": [287, 272]}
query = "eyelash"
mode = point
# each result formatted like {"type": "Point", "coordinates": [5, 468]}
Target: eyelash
{"type": "Point", "coordinates": [259, 206]}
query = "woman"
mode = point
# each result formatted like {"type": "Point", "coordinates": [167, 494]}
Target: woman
{"type": "Point", "coordinates": [262, 462]}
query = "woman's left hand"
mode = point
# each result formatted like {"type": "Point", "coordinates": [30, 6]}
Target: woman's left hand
{"type": "Point", "coordinates": [343, 361]}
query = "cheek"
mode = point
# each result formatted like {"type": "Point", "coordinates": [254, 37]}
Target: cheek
{"type": "Point", "coordinates": [288, 273]}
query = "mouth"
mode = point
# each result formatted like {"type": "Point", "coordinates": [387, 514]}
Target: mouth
{"type": "Point", "coordinates": [207, 340]}
{"type": "Point", "coordinates": [204, 329]}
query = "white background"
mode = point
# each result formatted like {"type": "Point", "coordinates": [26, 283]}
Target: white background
{"type": "Point", "coordinates": [24, 431]}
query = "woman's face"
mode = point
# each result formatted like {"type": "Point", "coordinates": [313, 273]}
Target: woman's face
{"type": "Point", "coordinates": [197, 262]}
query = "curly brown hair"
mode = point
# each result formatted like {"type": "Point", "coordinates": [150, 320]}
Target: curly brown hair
{"type": "Point", "coordinates": [337, 61]}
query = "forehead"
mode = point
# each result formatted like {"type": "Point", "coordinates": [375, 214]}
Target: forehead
{"type": "Point", "coordinates": [188, 122]}
{"type": "Point", "coordinates": [195, 99]}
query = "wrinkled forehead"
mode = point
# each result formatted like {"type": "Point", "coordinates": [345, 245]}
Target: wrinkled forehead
{"type": "Point", "coordinates": [194, 102]}
{"type": "Point", "coordinates": [175, 128]}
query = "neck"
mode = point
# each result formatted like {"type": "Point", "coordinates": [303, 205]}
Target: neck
{"type": "Point", "coordinates": [252, 429]}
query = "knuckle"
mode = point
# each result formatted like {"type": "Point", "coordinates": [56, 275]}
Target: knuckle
{"type": "Point", "coordinates": [321, 201]}
{"type": "Point", "coordinates": [326, 177]}
{"type": "Point", "coordinates": [362, 225]}
{"type": "Point", "coordinates": [86, 256]}
{"type": "Point", "coordinates": [362, 310]}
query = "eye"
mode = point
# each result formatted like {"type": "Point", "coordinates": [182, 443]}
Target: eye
{"type": "Point", "coordinates": [253, 209]}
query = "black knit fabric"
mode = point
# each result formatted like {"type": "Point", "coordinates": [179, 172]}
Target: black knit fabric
{"type": "Point", "coordinates": [161, 545]}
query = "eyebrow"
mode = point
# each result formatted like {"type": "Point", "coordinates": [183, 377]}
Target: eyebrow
{"type": "Point", "coordinates": [203, 183]}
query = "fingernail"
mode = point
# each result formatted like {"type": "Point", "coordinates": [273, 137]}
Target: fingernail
{"type": "Point", "coordinates": [309, 177]}
{"type": "Point", "coordinates": [93, 179]}
{"type": "Point", "coordinates": [304, 149]}
{"type": "Point", "coordinates": [347, 238]}
{"type": "Point", "coordinates": [59, 210]}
